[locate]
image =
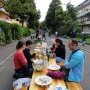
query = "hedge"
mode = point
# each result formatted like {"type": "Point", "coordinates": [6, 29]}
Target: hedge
{"type": "Point", "coordinates": [7, 31]}
{"type": "Point", "coordinates": [13, 31]}
{"type": "Point", "coordinates": [2, 37]}
{"type": "Point", "coordinates": [17, 31]}
{"type": "Point", "coordinates": [79, 35]}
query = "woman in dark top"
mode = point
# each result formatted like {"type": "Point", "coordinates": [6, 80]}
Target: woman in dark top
{"type": "Point", "coordinates": [29, 56]}
{"type": "Point", "coordinates": [60, 50]}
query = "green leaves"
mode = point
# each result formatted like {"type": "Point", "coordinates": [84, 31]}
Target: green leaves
{"type": "Point", "coordinates": [62, 21]}
{"type": "Point", "coordinates": [22, 9]}
{"type": "Point", "coordinates": [54, 16]}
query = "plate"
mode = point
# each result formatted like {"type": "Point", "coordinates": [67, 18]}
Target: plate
{"type": "Point", "coordinates": [38, 61]}
{"type": "Point", "coordinates": [60, 87]}
{"type": "Point", "coordinates": [43, 80]}
{"type": "Point", "coordinates": [36, 49]}
{"type": "Point", "coordinates": [54, 67]}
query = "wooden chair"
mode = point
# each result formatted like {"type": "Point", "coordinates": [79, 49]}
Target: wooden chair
{"type": "Point", "coordinates": [73, 86]}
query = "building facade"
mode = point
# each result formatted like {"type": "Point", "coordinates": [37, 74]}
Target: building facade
{"type": "Point", "coordinates": [4, 16]}
{"type": "Point", "coordinates": [83, 16]}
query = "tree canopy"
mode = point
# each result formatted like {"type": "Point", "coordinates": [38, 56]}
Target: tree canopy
{"type": "Point", "coordinates": [62, 21]}
{"type": "Point", "coordinates": [70, 23]}
{"type": "Point", "coordinates": [54, 15]}
{"type": "Point", "coordinates": [23, 10]}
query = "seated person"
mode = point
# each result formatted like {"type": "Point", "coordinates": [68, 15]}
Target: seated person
{"type": "Point", "coordinates": [29, 56]}
{"type": "Point", "coordinates": [53, 47]}
{"type": "Point", "coordinates": [52, 50]}
{"type": "Point", "coordinates": [20, 62]}
{"type": "Point", "coordinates": [59, 50]}
{"type": "Point", "coordinates": [74, 65]}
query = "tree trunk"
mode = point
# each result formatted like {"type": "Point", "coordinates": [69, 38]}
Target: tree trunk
{"type": "Point", "coordinates": [22, 23]}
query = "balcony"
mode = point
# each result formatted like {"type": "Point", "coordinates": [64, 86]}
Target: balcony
{"type": "Point", "coordinates": [86, 12]}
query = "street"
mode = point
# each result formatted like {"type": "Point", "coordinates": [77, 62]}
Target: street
{"type": "Point", "coordinates": [7, 67]}
{"type": "Point", "coordinates": [86, 81]}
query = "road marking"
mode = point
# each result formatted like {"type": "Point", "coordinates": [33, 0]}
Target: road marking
{"type": "Point", "coordinates": [3, 61]}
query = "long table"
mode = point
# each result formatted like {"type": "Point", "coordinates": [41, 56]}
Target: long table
{"type": "Point", "coordinates": [55, 82]}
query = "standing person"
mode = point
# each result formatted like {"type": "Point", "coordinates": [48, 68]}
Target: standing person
{"type": "Point", "coordinates": [29, 56]}
{"type": "Point", "coordinates": [49, 34]}
{"type": "Point", "coordinates": [43, 36]}
{"type": "Point", "coordinates": [59, 51]}
{"type": "Point", "coordinates": [83, 40]}
{"type": "Point", "coordinates": [37, 33]}
{"type": "Point", "coordinates": [52, 50]}
{"type": "Point", "coordinates": [56, 34]}
{"type": "Point", "coordinates": [74, 65]}
{"type": "Point", "coordinates": [20, 62]}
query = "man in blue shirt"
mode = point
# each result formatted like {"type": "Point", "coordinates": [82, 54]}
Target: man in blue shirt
{"type": "Point", "coordinates": [74, 65]}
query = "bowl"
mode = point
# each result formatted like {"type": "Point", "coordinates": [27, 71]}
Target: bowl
{"type": "Point", "coordinates": [38, 65]}
{"type": "Point", "coordinates": [43, 80]}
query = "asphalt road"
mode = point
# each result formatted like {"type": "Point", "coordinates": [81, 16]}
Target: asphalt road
{"type": "Point", "coordinates": [7, 68]}
{"type": "Point", "coordinates": [85, 83]}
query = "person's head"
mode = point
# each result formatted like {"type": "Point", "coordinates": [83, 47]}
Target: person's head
{"type": "Point", "coordinates": [73, 44]}
{"type": "Point", "coordinates": [20, 45]}
{"type": "Point", "coordinates": [58, 42]}
{"type": "Point", "coordinates": [28, 43]}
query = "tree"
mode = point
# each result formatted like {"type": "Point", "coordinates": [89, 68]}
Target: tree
{"type": "Point", "coordinates": [67, 23]}
{"type": "Point", "coordinates": [33, 20]}
{"type": "Point", "coordinates": [21, 9]}
{"type": "Point", "coordinates": [54, 16]}
{"type": "Point", "coordinates": [43, 25]}
{"type": "Point", "coordinates": [70, 23]}
{"type": "Point", "coordinates": [71, 11]}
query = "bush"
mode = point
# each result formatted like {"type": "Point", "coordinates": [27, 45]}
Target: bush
{"type": "Point", "coordinates": [28, 32]}
{"type": "Point", "coordinates": [17, 31]}
{"type": "Point", "coordinates": [2, 37]}
{"type": "Point", "coordinates": [79, 35]}
{"type": "Point", "coordinates": [32, 31]}
{"type": "Point", "coordinates": [13, 31]}
{"type": "Point", "coordinates": [7, 31]}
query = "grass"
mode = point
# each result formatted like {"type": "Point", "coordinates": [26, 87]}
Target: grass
{"type": "Point", "coordinates": [87, 40]}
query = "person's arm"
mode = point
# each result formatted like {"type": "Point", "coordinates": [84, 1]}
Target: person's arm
{"type": "Point", "coordinates": [74, 61]}
{"type": "Point", "coordinates": [23, 60]}
{"type": "Point", "coordinates": [31, 55]}
{"type": "Point", "coordinates": [28, 54]}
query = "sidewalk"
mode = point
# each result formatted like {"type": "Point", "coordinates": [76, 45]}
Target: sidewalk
{"type": "Point", "coordinates": [85, 48]}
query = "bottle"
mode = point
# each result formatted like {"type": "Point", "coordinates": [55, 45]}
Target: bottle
{"type": "Point", "coordinates": [45, 62]}
{"type": "Point", "coordinates": [47, 53]}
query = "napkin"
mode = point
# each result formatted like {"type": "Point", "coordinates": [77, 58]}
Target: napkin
{"type": "Point", "coordinates": [56, 74]}
{"type": "Point", "coordinates": [19, 82]}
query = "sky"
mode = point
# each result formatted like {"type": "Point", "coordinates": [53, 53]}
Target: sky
{"type": "Point", "coordinates": [43, 5]}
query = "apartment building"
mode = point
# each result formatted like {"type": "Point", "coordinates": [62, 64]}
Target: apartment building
{"type": "Point", "coordinates": [4, 16]}
{"type": "Point", "coordinates": [83, 16]}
